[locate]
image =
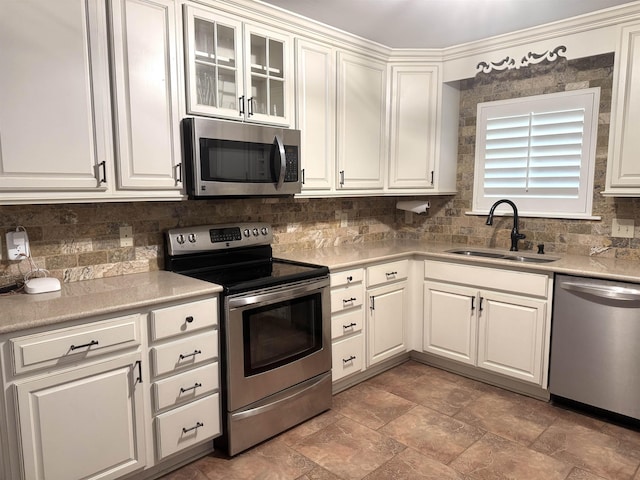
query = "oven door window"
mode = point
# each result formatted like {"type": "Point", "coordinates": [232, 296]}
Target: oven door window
{"type": "Point", "coordinates": [234, 161]}
{"type": "Point", "coordinates": [280, 333]}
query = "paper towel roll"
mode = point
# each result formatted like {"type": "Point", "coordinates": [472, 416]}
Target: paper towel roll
{"type": "Point", "coordinates": [415, 206]}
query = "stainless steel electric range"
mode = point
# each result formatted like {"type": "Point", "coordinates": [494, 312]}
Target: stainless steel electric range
{"type": "Point", "coordinates": [275, 328]}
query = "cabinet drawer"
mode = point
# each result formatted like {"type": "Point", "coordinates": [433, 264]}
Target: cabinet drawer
{"type": "Point", "coordinates": [180, 319]}
{"type": "Point", "coordinates": [347, 356]}
{"type": "Point", "coordinates": [347, 322]}
{"type": "Point", "coordinates": [387, 272]}
{"type": "Point", "coordinates": [347, 297]}
{"type": "Point", "coordinates": [188, 425]}
{"type": "Point", "coordinates": [184, 353]}
{"type": "Point", "coordinates": [346, 277]}
{"type": "Point", "coordinates": [184, 387]}
{"type": "Point", "coordinates": [488, 278]}
{"type": "Point", "coordinates": [64, 345]}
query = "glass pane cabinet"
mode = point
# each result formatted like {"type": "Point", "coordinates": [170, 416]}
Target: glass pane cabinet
{"type": "Point", "coordinates": [214, 63]}
{"type": "Point", "coordinates": [234, 76]}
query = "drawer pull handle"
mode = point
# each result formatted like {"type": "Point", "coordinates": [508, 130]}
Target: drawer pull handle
{"type": "Point", "coordinates": [195, 427]}
{"type": "Point", "coordinates": [350, 279]}
{"type": "Point", "coordinates": [391, 274]}
{"type": "Point", "coordinates": [189, 319]}
{"type": "Point", "coordinates": [348, 300]}
{"type": "Point", "coordinates": [86, 345]}
{"type": "Point", "coordinates": [349, 326]}
{"type": "Point", "coordinates": [196, 385]}
{"type": "Point", "coordinates": [347, 360]}
{"type": "Point", "coordinates": [195, 352]}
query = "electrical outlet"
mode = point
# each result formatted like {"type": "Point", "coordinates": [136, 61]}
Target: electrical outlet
{"type": "Point", "coordinates": [622, 227]}
{"type": "Point", "coordinates": [17, 245]}
{"type": "Point", "coordinates": [126, 236]}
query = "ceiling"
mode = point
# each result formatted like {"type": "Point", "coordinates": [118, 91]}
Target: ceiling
{"type": "Point", "coordinates": [437, 23]}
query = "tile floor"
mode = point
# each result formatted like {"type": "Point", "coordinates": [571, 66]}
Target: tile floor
{"type": "Point", "coordinates": [417, 422]}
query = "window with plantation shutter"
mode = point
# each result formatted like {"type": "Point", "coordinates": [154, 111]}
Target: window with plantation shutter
{"type": "Point", "coordinates": [538, 152]}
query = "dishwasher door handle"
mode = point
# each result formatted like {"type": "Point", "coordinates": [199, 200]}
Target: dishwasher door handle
{"type": "Point", "coordinates": [603, 291]}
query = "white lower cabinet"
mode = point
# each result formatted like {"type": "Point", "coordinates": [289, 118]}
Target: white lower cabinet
{"type": "Point", "coordinates": [368, 332]}
{"type": "Point", "coordinates": [490, 318]}
{"type": "Point", "coordinates": [347, 323]}
{"type": "Point", "coordinates": [387, 316]}
{"type": "Point", "coordinates": [79, 412]}
{"type": "Point", "coordinates": [109, 398]}
{"type": "Point", "coordinates": [185, 389]}
{"type": "Point", "coordinates": [83, 423]}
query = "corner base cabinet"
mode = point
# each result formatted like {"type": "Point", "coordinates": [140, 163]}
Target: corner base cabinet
{"type": "Point", "coordinates": [490, 318]}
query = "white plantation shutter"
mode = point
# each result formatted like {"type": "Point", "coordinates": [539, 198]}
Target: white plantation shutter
{"type": "Point", "coordinates": [539, 152]}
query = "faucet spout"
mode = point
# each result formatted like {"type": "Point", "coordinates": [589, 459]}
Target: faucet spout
{"type": "Point", "coordinates": [515, 233]}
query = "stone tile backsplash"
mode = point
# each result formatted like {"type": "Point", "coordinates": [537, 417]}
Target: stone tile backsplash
{"type": "Point", "coordinates": [81, 241]}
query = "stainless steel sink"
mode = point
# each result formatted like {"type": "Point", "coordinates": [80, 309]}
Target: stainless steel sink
{"type": "Point", "coordinates": [503, 256]}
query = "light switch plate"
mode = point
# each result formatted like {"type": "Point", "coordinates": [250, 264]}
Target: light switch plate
{"type": "Point", "coordinates": [622, 227]}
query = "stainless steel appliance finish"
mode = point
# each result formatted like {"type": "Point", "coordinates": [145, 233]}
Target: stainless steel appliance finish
{"type": "Point", "coordinates": [595, 344]}
{"type": "Point", "coordinates": [275, 325]}
{"type": "Point", "coordinates": [224, 158]}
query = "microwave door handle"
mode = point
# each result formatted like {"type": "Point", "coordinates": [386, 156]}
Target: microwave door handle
{"type": "Point", "coordinates": [282, 166]}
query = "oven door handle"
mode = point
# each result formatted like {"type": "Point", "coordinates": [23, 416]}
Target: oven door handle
{"type": "Point", "coordinates": [280, 294]}
{"type": "Point", "coordinates": [280, 166]}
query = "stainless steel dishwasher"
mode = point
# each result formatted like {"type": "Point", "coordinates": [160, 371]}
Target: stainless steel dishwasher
{"type": "Point", "coordinates": [595, 344]}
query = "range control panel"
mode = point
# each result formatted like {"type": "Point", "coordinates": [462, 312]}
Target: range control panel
{"type": "Point", "coordinates": [205, 238]}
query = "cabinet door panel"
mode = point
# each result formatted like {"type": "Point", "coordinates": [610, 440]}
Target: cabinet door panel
{"type": "Point", "coordinates": [510, 336]}
{"type": "Point", "coordinates": [146, 93]}
{"type": "Point", "coordinates": [624, 144]}
{"type": "Point", "coordinates": [386, 326]}
{"type": "Point", "coordinates": [316, 111]}
{"type": "Point", "coordinates": [214, 73]}
{"type": "Point", "coordinates": [55, 117]}
{"type": "Point", "coordinates": [361, 122]}
{"type": "Point", "coordinates": [82, 424]}
{"type": "Point", "coordinates": [450, 321]}
{"type": "Point", "coordinates": [413, 127]}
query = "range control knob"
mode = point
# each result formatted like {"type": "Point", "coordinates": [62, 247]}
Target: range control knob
{"type": "Point", "coordinates": [255, 232]}
{"type": "Point", "coordinates": [264, 230]}
{"type": "Point", "coordinates": [192, 237]}
{"type": "Point", "coordinates": [180, 239]}
{"type": "Point", "coordinates": [246, 232]}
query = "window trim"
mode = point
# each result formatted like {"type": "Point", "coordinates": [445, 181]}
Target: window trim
{"type": "Point", "coordinates": [588, 98]}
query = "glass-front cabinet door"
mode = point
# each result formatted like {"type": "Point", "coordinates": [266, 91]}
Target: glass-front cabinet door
{"type": "Point", "coordinates": [236, 76]}
{"type": "Point", "coordinates": [266, 79]}
{"type": "Point", "coordinates": [214, 64]}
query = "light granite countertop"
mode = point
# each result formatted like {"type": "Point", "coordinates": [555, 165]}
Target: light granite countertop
{"type": "Point", "coordinates": [354, 255]}
{"type": "Point", "coordinates": [90, 298]}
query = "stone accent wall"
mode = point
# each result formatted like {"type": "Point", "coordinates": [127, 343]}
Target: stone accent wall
{"type": "Point", "coordinates": [448, 221]}
{"type": "Point", "coordinates": [81, 241]}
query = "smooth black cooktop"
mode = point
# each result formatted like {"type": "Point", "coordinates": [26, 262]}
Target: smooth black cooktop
{"type": "Point", "coordinates": [244, 269]}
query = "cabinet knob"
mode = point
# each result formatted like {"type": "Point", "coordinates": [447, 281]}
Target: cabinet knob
{"type": "Point", "coordinates": [189, 319]}
{"type": "Point", "coordinates": [349, 279]}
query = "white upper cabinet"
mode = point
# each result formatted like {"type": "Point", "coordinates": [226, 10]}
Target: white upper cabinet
{"type": "Point", "coordinates": [361, 122]}
{"type": "Point", "coordinates": [146, 108]}
{"type": "Point", "coordinates": [623, 166]}
{"type": "Point", "coordinates": [55, 130]}
{"type": "Point", "coordinates": [414, 99]}
{"type": "Point", "coordinates": [316, 113]}
{"type": "Point", "coordinates": [236, 70]}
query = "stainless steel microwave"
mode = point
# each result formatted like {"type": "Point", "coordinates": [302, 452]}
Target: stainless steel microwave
{"type": "Point", "coordinates": [223, 158]}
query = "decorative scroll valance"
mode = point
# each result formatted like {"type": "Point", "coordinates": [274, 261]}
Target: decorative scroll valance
{"type": "Point", "coordinates": [529, 59]}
